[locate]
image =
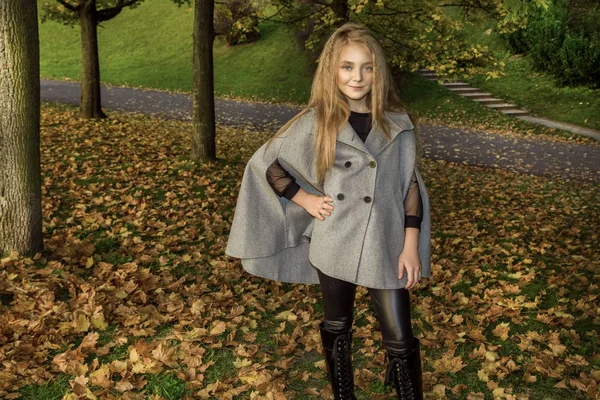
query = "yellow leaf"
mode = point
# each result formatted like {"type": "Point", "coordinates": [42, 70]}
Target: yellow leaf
{"type": "Point", "coordinates": [501, 330]}
{"type": "Point", "coordinates": [101, 377]}
{"type": "Point", "coordinates": [118, 366]}
{"type": "Point", "coordinates": [82, 323]}
{"type": "Point", "coordinates": [242, 362]}
{"type": "Point", "coordinates": [482, 375]}
{"type": "Point", "coordinates": [123, 386]}
{"type": "Point", "coordinates": [218, 328]}
{"type": "Point", "coordinates": [286, 316]}
{"type": "Point", "coordinates": [98, 321]}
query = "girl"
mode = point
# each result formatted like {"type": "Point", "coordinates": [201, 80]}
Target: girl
{"type": "Point", "coordinates": [335, 198]}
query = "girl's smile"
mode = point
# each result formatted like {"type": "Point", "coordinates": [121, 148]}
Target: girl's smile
{"type": "Point", "coordinates": [355, 76]}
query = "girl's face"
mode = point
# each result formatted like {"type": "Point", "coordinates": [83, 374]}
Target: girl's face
{"type": "Point", "coordinates": [355, 75]}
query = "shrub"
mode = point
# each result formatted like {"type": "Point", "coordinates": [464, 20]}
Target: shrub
{"type": "Point", "coordinates": [564, 41]}
{"type": "Point", "coordinates": [237, 21]}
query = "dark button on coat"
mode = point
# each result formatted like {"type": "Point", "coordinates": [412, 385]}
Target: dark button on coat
{"type": "Point", "coordinates": [360, 242]}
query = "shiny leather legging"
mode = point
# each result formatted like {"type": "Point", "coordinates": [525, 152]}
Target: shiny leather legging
{"type": "Point", "coordinates": [391, 305]}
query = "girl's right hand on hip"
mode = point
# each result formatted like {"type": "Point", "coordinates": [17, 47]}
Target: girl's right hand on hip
{"type": "Point", "coordinates": [317, 206]}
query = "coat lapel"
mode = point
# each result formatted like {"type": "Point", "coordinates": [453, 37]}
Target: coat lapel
{"type": "Point", "coordinates": [377, 141]}
{"type": "Point", "coordinates": [349, 137]}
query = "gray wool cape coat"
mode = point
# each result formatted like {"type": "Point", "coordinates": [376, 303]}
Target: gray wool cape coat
{"type": "Point", "coordinates": [362, 239]}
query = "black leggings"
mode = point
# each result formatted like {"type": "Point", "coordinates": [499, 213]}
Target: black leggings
{"type": "Point", "coordinates": [391, 305]}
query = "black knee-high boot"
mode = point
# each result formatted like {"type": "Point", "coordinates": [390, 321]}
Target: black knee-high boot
{"type": "Point", "coordinates": [404, 369]}
{"type": "Point", "coordinates": [338, 358]}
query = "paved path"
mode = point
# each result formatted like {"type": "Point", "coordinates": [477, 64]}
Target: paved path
{"type": "Point", "coordinates": [530, 156]}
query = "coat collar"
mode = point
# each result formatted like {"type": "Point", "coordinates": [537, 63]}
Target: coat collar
{"type": "Point", "coordinates": [376, 141]}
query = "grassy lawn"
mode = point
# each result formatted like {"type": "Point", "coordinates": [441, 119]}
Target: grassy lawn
{"type": "Point", "coordinates": [133, 297]}
{"type": "Point", "coordinates": [520, 84]}
{"type": "Point", "coordinates": [274, 70]}
{"type": "Point", "coordinates": [433, 104]}
{"type": "Point", "coordinates": [539, 94]}
{"type": "Point", "coordinates": [151, 47]}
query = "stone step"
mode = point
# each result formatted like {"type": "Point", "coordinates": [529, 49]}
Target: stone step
{"type": "Point", "coordinates": [465, 90]}
{"type": "Point", "coordinates": [514, 113]}
{"type": "Point", "coordinates": [456, 85]}
{"type": "Point", "coordinates": [488, 100]}
{"type": "Point", "coordinates": [478, 95]}
{"type": "Point", "coordinates": [474, 96]}
{"type": "Point", "coordinates": [504, 106]}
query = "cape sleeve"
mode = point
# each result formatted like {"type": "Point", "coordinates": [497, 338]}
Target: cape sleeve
{"type": "Point", "coordinates": [264, 224]}
{"type": "Point", "coordinates": [258, 227]}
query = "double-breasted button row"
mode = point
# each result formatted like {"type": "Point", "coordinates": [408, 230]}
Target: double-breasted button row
{"type": "Point", "coordinates": [366, 199]}
{"type": "Point", "coordinates": [372, 164]}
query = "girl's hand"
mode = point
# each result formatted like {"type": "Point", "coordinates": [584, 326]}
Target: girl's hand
{"type": "Point", "coordinates": [317, 206]}
{"type": "Point", "coordinates": [409, 260]}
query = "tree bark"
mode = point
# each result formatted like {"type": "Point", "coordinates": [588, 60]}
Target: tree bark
{"type": "Point", "coordinates": [90, 105]}
{"type": "Point", "coordinates": [203, 135]}
{"type": "Point", "coordinates": [20, 178]}
{"type": "Point", "coordinates": [340, 8]}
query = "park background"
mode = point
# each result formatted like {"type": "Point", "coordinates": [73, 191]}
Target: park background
{"type": "Point", "coordinates": [133, 296]}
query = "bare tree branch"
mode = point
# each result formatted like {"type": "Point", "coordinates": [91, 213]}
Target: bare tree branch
{"type": "Point", "coordinates": [380, 31]}
{"type": "Point", "coordinates": [269, 18]}
{"type": "Point", "coordinates": [110, 13]}
{"type": "Point", "coordinates": [297, 19]}
{"type": "Point", "coordinates": [69, 6]}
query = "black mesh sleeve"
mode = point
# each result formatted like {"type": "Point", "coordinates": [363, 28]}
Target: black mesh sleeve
{"type": "Point", "coordinates": [281, 181]}
{"type": "Point", "coordinates": [413, 207]}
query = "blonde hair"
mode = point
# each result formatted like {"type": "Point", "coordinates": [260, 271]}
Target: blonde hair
{"type": "Point", "coordinates": [330, 105]}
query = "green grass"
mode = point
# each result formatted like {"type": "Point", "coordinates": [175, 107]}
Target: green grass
{"type": "Point", "coordinates": [166, 385]}
{"type": "Point", "coordinates": [541, 96]}
{"type": "Point", "coordinates": [51, 391]}
{"type": "Point", "coordinates": [151, 46]}
{"type": "Point", "coordinates": [435, 104]}
{"type": "Point", "coordinates": [535, 91]}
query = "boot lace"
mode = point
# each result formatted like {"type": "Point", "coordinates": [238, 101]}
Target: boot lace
{"type": "Point", "coordinates": [398, 368]}
{"type": "Point", "coordinates": [345, 386]}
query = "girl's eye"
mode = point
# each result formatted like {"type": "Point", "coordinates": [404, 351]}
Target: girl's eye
{"type": "Point", "coordinates": [347, 67]}
{"type": "Point", "coordinates": [369, 68]}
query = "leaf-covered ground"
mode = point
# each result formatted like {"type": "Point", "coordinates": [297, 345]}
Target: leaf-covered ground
{"type": "Point", "coordinates": [133, 297]}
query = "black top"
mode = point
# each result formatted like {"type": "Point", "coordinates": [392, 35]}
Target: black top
{"type": "Point", "coordinates": [285, 185]}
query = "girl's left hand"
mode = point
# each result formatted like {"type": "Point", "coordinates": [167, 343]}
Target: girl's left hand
{"type": "Point", "coordinates": [410, 261]}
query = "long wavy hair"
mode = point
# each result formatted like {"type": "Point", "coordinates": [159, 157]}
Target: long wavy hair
{"type": "Point", "coordinates": [331, 107]}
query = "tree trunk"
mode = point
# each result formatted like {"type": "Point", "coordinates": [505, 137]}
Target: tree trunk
{"type": "Point", "coordinates": [90, 105]}
{"type": "Point", "coordinates": [20, 180]}
{"type": "Point", "coordinates": [203, 135]}
{"type": "Point", "coordinates": [340, 9]}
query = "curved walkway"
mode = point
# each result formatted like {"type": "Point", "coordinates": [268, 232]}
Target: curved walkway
{"type": "Point", "coordinates": [529, 156]}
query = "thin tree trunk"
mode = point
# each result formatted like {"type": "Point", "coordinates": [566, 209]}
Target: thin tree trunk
{"type": "Point", "coordinates": [203, 136]}
{"type": "Point", "coordinates": [90, 105]}
{"type": "Point", "coordinates": [340, 8]}
{"type": "Point", "coordinates": [20, 180]}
